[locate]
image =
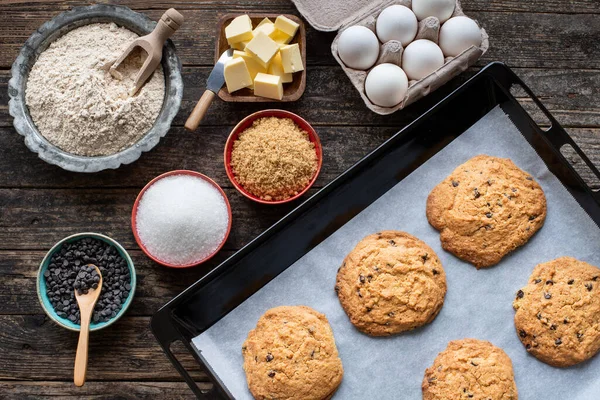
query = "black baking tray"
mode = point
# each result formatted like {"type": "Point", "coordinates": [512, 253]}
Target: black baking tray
{"type": "Point", "coordinates": [231, 283]}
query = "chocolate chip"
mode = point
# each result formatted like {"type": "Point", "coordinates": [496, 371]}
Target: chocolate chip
{"type": "Point", "coordinates": [579, 336]}
{"type": "Point", "coordinates": [547, 296]}
{"type": "Point", "coordinates": [474, 364]}
{"type": "Point", "coordinates": [558, 342]}
{"type": "Point", "coordinates": [532, 217]}
{"type": "Point", "coordinates": [550, 282]}
{"type": "Point", "coordinates": [455, 183]}
{"type": "Point", "coordinates": [489, 182]}
{"type": "Point", "coordinates": [391, 313]}
{"type": "Point", "coordinates": [271, 373]}
{"type": "Point", "coordinates": [565, 321]}
{"type": "Point", "coordinates": [476, 193]}
{"type": "Point", "coordinates": [369, 277]}
{"type": "Point", "coordinates": [269, 357]}
{"type": "Point", "coordinates": [552, 327]}
{"type": "Point", "coordinates": [589, 287]}
{"type": "Point", "coordinates": [539, 315]}
{"type": "Point", "coordinates": [337, 289]}
{"type": "Point", "coordinates": [435, 272]}
{"type": "Point", "coordinates": [528, 346]}
{"type": "Point", "coordinates": [571, 281]}
{"type": "Point", "coordinates": [312, 354]}
{"type": "Point", "coordinates": [358, 292]}
{"type": "Point", "coordinates": [425, 257]}
{"type": "Point", "coordinates": [361, 278]}
{"type": "Point", "coordinates": [537, 281]}
{"type": "Point", "coordinates": [369, 309]}
{"type": "Point", "coordinates": [595, 278]}
{"type": "Point", "coordinates": [514, 190]}
{"type": "Point", "coordinates": [488, 214]}
{"type": "Point", "coordinates": [520, 294]}
{"type": "Point", "coordinates": [522, 333]}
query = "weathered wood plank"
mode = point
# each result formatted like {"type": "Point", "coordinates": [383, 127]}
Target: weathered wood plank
{"type": "Point", "coordinates": [156, 285]}
{"type": "Point", "coordinates": [34, 348]}
{"type": "Point", "coordinates": [108, 390]}
{"type": "Point", "coordinates": [543, 6]}
{"type": "Point", "coordinates": [201, 151]}
{"type": "Point", "coordinates": [35, 219]}
{"type": "Point", "coordinates": [530, 39]}
{"type": "Point", "coordinates": [573, 97]}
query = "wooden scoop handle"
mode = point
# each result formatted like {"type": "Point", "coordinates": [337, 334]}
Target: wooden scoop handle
{"type": "Point", "coordinates": [199, 111]}
{"type": "Point", "coordinates": [170, 21]}
{"type": "Point", "coordinates": [81, 357]}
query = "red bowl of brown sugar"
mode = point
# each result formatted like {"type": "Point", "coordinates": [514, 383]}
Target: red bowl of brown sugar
{"type": "Point", "coordinates": [273, 156]}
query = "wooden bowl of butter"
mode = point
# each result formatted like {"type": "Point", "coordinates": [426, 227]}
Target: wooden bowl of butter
{"type": "Point", "coordinates": [273, 48]}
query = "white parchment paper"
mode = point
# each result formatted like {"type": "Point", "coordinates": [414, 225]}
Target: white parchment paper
{"type": "Point", "coordinates": [478, 303]}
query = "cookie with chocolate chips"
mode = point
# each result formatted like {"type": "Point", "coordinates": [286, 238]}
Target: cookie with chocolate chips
{"type": "Point", "coordinates": [391, 282]}
{"type": "Point", "coordinates": [470, 369]}
{"type": "Point", "coordinates": [558, 312]}
{"type": "Point", "coordinates": [485, 209]}
{"type": "Point", "coordinates": [291, 354]}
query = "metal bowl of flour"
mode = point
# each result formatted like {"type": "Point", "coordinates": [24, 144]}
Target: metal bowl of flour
{"type": "Point", "coordinates": [52, 30]}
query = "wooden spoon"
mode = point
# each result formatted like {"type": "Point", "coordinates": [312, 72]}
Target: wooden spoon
{"type": "Point", "coordinates": [86, 304]}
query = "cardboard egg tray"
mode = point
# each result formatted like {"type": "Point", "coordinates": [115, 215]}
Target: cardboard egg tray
{"type": "Point", "coordinates": [338, 15]}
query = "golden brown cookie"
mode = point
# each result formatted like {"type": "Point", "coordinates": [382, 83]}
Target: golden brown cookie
{"type": "Point", "coordinates": [470, 369]}
{"type": "Point", "coordinates": [485, 209]}
{"type": "Point", "coordinates": [558, 312]}
{"type": "Point", "coordinates": [391, 282]}
{"type": "Point", "coordinates": [291, 354]}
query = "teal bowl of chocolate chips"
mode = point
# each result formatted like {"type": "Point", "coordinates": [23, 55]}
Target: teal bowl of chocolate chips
{"type": "Point", "coordinates": [60, 267]}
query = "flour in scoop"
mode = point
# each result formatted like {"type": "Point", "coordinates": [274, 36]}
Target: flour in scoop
{"type": "Point", "coordinates": [182, 219]}
{"type": "Point", "coordinates": [78, 106]}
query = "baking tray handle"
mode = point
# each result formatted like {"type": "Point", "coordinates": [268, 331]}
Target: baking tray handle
{"type": "Point", "coordinates": [166, 333]}
{"type": "Point", "coordinates": [556, 134]}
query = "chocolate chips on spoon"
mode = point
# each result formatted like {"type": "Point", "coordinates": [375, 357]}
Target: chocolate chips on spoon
{"type": "Point", "coordinates": [64, 269]}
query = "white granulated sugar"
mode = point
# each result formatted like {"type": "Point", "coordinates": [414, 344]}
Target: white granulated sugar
{"type": "Point", "coordinates": [182, 219]}
{"type": "Point", "coordinates": [81, 108]}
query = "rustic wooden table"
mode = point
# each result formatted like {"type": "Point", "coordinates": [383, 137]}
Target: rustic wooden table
{"type": "Point", "coordinates": [554, 45]}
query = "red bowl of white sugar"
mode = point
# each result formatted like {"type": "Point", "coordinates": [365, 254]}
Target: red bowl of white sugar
{"type": "Point", "coordinates": [181, 218]}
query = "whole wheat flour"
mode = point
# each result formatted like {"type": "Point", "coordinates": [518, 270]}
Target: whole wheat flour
{"type": "Point", "coordinates": [81, 108]}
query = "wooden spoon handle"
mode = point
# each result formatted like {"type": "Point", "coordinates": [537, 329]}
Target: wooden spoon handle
{"type": "Point", "coordinates": [81, 358]}
{"type": "Point", "coordinates": [198, 113]}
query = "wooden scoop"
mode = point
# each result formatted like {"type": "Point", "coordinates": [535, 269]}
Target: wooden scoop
{"type": "Point", "coordinates": [86, 304]}
{"type": "Point", "coordinates": [152, 44]}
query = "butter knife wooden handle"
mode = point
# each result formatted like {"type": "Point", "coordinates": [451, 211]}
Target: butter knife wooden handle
{"type": "Point", "coordinates": [198, 113]}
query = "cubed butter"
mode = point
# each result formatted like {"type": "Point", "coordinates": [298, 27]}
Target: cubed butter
{"type": "Point", "coordinates": [236, 75]}
{"type": "Point", "coordinates": [286, 25]}
{"type": "Point", "coordinates": [239, 46]}
{"type": "Point", "coordinates": [264, 21]}
{"type": "Point", "coordinates": [263, 48]}
{"type": "Point", "coordinates": [291, 59]}
{"type": "Point", "coordinates": [265, 27]}
{"type": "Point", "coordinates": [253, 66]}
{"type": "Point", "coordinates": [239, 30]}
{"type": "Point", "coordinates": [276, 68]}
{"type": "Point", "coordinates": [267, 85]}
{"type": "Point", "coordinates": [280, 37]}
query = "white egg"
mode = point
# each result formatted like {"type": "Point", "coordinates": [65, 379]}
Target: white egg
{"type": "Point", "coordinates": [358, 47]}
{"type": "Point", "coordinates": [441, 9]}
{"type": "Point", "coordinates": [397, 23]}
{"type": "Point", "coordinates": [458, 34]}
{"type": "Point", "coordinates": [421, 58]}
{"type": "Point", "coordinates": [386, 85]}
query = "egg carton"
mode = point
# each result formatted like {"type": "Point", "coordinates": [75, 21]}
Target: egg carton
{"type": "Point", "coordinates": [337, 15]}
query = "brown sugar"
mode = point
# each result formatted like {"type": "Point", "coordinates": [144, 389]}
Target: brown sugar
{"type": "Point", "coordinates": [274, 159]}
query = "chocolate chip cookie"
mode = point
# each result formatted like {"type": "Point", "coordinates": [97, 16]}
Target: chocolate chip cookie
{"type": "Point", "coordinates": [485, 209]}
{"type": "Point", "coordinates": [470, 369]}
{"type": "Point", "coordinates": [391, 282]}
{"type": "Point", "coordinates": [558, 312]}
{"type": "Point", "coordinates": [291, 354]}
